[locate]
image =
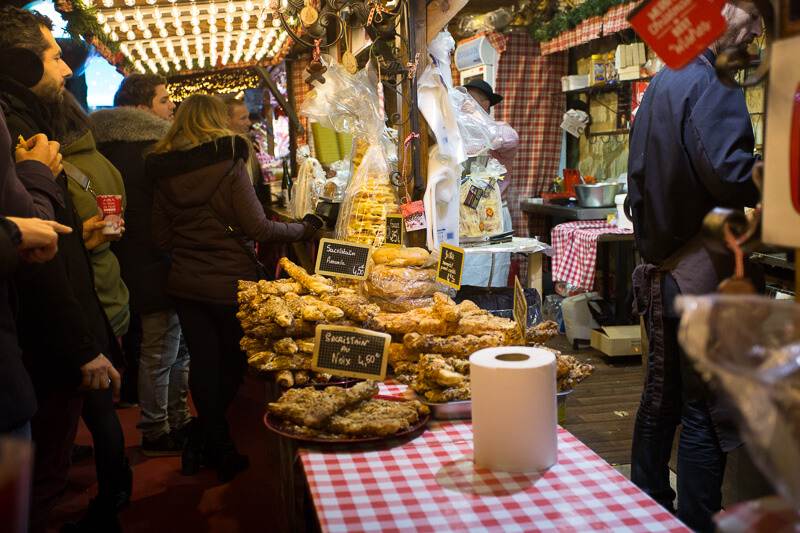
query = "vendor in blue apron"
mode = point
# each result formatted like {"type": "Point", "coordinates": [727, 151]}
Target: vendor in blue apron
{"type": "Point", "coordinates": [691, 149]}
{"type": "Point", "coordinates": [491, 270]}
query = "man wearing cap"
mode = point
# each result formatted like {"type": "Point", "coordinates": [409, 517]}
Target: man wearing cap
{"type": "Point", "coordinates": [476, 271]}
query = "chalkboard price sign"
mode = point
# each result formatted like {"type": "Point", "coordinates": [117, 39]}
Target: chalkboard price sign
{"type": "Point", "coordinates": [394, 231]}
{"type": "Point", "coordinates": [351, 352]}
{"type": "Point", "coordinates": [342, 259]}
{"type": "Point", "coordinates": [520, 307]}
{"type": "Point", "coordinates": [451, 265]}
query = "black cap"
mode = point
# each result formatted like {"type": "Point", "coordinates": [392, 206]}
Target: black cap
{"type": "Point", "coordinates": [485, 88]}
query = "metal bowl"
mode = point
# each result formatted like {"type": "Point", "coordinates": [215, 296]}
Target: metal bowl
{"type": "Point", "coordinates": [597, 194]}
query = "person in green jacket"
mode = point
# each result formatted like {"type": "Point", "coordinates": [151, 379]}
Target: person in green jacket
{"type": "Point", "coordinates": [89, 175]}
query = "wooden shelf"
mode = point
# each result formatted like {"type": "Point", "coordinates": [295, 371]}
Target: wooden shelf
{"type": "Point", "coordinates": [605, 88]}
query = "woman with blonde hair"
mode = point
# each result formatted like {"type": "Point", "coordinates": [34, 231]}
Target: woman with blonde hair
{"type": "Point", "coordinates": [203, 208]}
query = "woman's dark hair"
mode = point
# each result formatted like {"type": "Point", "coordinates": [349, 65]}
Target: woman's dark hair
{"type": "Point", "coordinates": [20, 28]}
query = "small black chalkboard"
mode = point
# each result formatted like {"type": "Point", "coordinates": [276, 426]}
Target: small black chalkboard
{"type": "Point", "coordinates": [451, 265]}
{"type": "Point", "coordinates": [351, 352]}
{"type": "Point", "coordinates": [342, 259]}
{"type": "Point", "coordinates": [394, 231]}
{"type": "Point", "coordinates": [520, 307]}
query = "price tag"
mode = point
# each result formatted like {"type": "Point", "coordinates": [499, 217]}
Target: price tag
{"type": "Point", "coordinates": [451, 265]}
{"type": "Point", "coordinates": [473, 197]}
{"type": "Point", "coordinates": [678, 30]}
{"type": "Point", "coordinates": [520, 308]}
{"type": "Point", "coordinates": [394, 231]}
{"type": "Point", "coordinates": [342, 259]}
{"type": "Point", "coordinates": [351, 352]}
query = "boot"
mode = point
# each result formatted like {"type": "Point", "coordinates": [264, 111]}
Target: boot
{"type": "Point", "coordinates": [231, 462]}
{"type": "Point", "coordinates": [191, 459]}
{"type": "Point", "coordinates": [101, 517]}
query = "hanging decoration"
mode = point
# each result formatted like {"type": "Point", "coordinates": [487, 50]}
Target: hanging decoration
{"type": "Point", "coordinates": [222, 81]}
{"type": "Point", "coordinates": [82, 24]}
{"type": "Point", "coordinates": [562, 21]}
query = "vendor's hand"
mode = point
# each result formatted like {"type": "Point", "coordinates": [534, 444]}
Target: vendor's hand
{"type": "Point", "coordinates": [40, 149]}
{"type": "Point", "coordinates": [39, 238]}
{"type": "Point", "coordinates": [99, 374]}
{"type": "Point", "coordinates": [93, 235]}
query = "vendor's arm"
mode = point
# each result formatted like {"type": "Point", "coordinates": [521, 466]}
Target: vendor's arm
{"type": "Point", "coordinates": [507, 150]}
{"type": "Point", "coordinates": [719, 139]}
{"type": "Point", "coordinates": [251, 217]}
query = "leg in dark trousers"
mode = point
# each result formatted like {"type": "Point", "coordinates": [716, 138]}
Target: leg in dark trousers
{"type": "Point", "coordinates": [131, 347]}
{"type": "Point", "coordinates": [53, 431]}
{"type": "Point", "coordinates": [109, 445]}
{"type": "Point", "coordinates": [212, 335]}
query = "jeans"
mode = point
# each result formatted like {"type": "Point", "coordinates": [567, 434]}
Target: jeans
{"type": "Point", "coordinates": [673, 394]}
{"type": "Point", "coordinates": [218, 363]}
{"type": "Point", "coordinates": [163, 375]}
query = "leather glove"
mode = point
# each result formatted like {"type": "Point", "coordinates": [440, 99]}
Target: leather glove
{"type": "Point", "coordinates": [314, 220]}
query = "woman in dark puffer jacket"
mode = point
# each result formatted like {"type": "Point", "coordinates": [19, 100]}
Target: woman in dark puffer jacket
{"type": "Point", "coordinates": [200, 169]}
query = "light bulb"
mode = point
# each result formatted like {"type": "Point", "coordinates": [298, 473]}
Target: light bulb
{"type": "Point", "coordinates": [152, 2]}
{"type": "Point", "coordinates": [230, 8]}
{"type": "Point", "coordinates": [244, 26]}
{"type": "Point", "coordinates": [137, 15]}
{"type": "Point", "coordinates": [118, 15]}
{"type": "Point", "coordinates": [124, 27]}
{"type": "Point", "coordinates": [106, 28]}
{"type": "Point", "coordinates": [147, 34]}
{"type": "Point", "coordinates": [101, 19]}
{"type": "Point", "coordinates": [156, 13]}
{"type": "Point", "coordinates": [228, 27]}
{"type": "Point", "coordinates": [176, 13]}
{"type": "Point", "coordinates": [114, 36]}
{"type": "Point", "coordinates": [196, 30]}
{"type": "Point", "coordinates": [229, 18]}
{"type": "Point", "coordinates": [131, 36]}
{"type": "Point", "coordinates": [212, 8]}
{"type": "Point", "coordinates": [212, 29]}
{"type": "Point", "coordinates": [195, 21]}
{"type": "Point", "coordinates": [180, 31]}
{"type": "Point", "coordinates": [163, 32]}
{"type": "Point", "coordinates": [276, 22]}
{"type": "Point", "coordinates": [160, 24]}
{"type": "Point", "coordinates": [195, 11]}
{"type": "Point", "coordinates": [108, 3]}
{"type": "Point", "coordinates": [260, 24]}
{"type": "Point", "coordinates": [245, 16]}
{"type": "Point", "coordinates": [130, 3]}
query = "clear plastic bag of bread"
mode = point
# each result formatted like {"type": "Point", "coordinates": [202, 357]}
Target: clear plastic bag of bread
{"type": "Point", "coordinates": [348, 103]}
{"type": "Point", "coordinates": [401, 279]}
{"type": "Point", "coordinates": [306, 188]}
{"type": "Point", "coordinates": [748, 348]}
{"type": "Point", "coordinates": [481, 208]}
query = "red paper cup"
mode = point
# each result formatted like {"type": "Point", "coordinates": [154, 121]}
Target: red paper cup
{"type": "Point", "coordinates": [111, 208]}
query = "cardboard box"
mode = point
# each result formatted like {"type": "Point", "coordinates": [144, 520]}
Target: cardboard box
{"type": "Point", "coordinates": [617, 340]}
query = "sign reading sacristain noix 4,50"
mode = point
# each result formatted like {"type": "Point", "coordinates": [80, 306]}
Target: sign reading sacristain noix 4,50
{"type": "Point", "coordinates": [351, 352]}
{"type": "Point", "coordinates": [678, 30]}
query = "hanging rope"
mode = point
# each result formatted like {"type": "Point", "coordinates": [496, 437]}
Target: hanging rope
{"type": "Point", "coordinates": [374, 12]}
{"type": "Point", "coordinates": [316, 49]}
{"type": "Point", "coordinates": [412, 67]}
{"type": "Point", "coordinates": [733, 244]}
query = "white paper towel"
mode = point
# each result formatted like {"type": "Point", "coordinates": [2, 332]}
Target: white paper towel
{"type": "Point", "coordinates": [514, 419]}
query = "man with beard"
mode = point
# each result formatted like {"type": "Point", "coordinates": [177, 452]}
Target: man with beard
{"type": "Point", "coordinates": [62, 328]}
{"type": "Point", "coordinates": [691, 149]}
{"type": "Point", "coordinates": [142, 115]}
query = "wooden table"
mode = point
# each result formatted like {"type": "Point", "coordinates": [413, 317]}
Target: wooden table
{"type": "Point", "coordinates": [521, 245]}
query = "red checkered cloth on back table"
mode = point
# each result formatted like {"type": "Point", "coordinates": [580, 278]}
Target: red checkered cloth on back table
{"type": "Point", "coordinates": [575, 245]}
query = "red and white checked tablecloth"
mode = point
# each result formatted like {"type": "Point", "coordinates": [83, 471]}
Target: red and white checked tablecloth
{"type": "Point", "coordinates": [431, 484]}
{"type": "Point", "coordinates": [575, 245]}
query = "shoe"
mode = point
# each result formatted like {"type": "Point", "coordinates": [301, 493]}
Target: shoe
{"type": "Point", "coordinates": [231, 462]}
{"type": "Point", "coordinates": [81, 452]}
{"type": "Point", "coordinates": [192, 456]}
{"type": "Point", "coordinates": [164, 446]}
{"type": "Point", "coordinates": [122, 498]}
{"type": "Point", "coordinates": [99, 518]}
{"type": "Point", "coordinates": [126, 405]}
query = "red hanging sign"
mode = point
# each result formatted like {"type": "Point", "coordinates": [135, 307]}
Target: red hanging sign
{"type": "Point", "coordinates": [678, 30]}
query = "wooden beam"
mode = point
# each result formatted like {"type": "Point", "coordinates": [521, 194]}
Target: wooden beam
{"type": "Point", "coordinates": [440, 13]}
{"type": "Point", "coordinates": [289, 108]}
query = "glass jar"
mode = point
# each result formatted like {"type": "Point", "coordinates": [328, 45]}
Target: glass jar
{"type": "Point", "coordinates": [610, 69]}
{"type": "Point", "coordinates": [598, 69]}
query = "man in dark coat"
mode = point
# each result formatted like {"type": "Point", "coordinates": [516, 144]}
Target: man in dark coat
{"type": "Point", "coordinates": [32, 240]}
{"type": "Point", "coordinates": [62, 328]}
{"type": "Point", "coordinates": [141, 116]}
{"type": "Point", "coordinates": [691, 149]}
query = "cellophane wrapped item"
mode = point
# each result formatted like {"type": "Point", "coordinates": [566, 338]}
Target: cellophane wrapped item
{"type": "Point", "coordinates": [401, 279]}
{"type": "Point", "coordinates": [481, 208]}
{"type": "Point", "coordinates": [307, 188]}
{"type": "Point", "coordinates": [749, 346]}
{"type": "Point", "coordinates": [349, 104]}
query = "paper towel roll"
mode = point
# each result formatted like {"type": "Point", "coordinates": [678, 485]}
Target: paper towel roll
{"type": "Point", "coordinates": [514, 415]}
